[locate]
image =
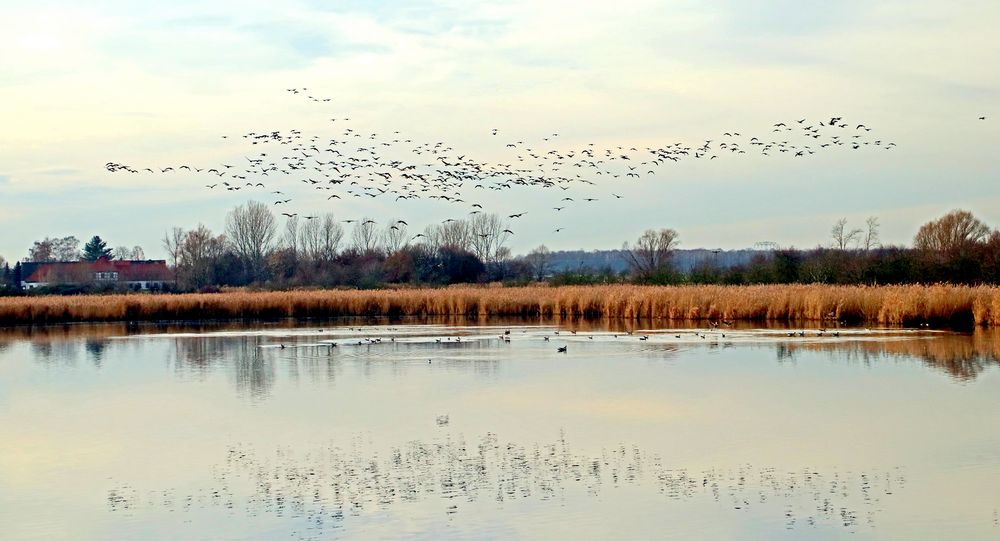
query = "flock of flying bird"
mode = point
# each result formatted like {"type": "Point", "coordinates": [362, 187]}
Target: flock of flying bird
{"type": "Point", "coordinates": [366, 165]}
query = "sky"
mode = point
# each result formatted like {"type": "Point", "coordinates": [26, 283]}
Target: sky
{"type": "Point", "coordinates": [158, 84]}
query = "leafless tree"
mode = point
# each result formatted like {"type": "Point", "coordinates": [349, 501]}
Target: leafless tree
{"type": "Point", "coordinates": [41, 250]}
{"type": "Point", "coordinates": [251, 230]}
{"type": "Point", "coordinates": [198, 252]}
{"type": "Point", "coordinates": [321, 238]}
{"type": "Point", "coordinates": [61, 249]}
{"type": "Point", "coordinates": [454, 235]}
{"type": "Point", "coordinates": [172, 241]}
{"type": "Point", "coordinates": [395, 237]}
{"type": "Point", "coordinates": [842, 238]}
{"type": "Point", "coordinates": [365, 236]}
{"type": "Point", "coordinates": [291, 237]}
{"type": "Point", "coordinates": [124, 253]}
{"type": "Point", "coordinates": [652, 251]}
{"type": "Point", "coordinates": [871, 240]}
{"type": "Point", "coordinates": [488, 233]}
{"type": "Point", "coordinates": [539, 261]}
{"type": "Point", "coordinates": [954, 231]}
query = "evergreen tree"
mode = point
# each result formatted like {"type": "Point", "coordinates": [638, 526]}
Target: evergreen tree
{"type": "Point", "coordinates": [96, 249]}
{"type": "Point", "coordinates": [17, 276]}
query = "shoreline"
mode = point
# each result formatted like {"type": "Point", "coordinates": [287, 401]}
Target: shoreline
{"type": "Point", "coordinates": [884, 305]}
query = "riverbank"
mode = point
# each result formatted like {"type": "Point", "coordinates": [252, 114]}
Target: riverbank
{"type": "Point", "coordinates": [886, 305]}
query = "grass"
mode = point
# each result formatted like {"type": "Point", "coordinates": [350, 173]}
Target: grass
{"type": "Point", "coordinates": [886, 305]}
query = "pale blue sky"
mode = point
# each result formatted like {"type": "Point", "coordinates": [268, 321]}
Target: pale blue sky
{"type": "Point", "coordinates": [127, 82]}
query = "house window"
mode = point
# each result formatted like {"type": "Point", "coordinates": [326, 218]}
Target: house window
{"type": "Point", "coordinates": [106, 276]}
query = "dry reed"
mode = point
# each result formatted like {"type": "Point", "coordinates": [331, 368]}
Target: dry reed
{"type": "Point", "coordinates": [886, 305]}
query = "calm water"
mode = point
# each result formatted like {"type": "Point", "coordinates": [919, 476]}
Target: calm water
{"type": "Point", "coordinates": [394, 431]}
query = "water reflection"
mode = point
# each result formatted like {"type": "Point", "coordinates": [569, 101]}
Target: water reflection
{"type": "Point", "coordinates": [95, 350]}
{"type": "Point", "coordinates": [199, 349]}
{"type": "Point", "coordinates": [961, 356]}
{"type": "Point", "coordinates": [327, 487]}
{"type": "Point", "coordinates": [298, 431]}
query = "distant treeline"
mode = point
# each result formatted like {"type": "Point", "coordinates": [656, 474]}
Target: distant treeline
{"type": "Point", "coordinates": [616, 261]}
{"type": "Point", "coordinates": [318, 252]}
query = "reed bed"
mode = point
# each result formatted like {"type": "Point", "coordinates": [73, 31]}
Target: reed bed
{"type": "Point", "coordinates": [886, 305]}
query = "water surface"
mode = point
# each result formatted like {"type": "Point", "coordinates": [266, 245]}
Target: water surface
{"type": "Point", "coordinates": [383, 430]}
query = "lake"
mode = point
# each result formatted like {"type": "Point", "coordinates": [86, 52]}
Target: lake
{"type": "Point", "coordinates": [484, 430]}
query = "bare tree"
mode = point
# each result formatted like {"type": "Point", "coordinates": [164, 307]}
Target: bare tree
{"type": "Point", "coordinates": [321, 238]}
{"type": "Point", "coordinates": [453, 234]}
{"type": "Point", "coordinates": [199, 250]}
{"type": "Point", "coordinates": [172, 241]}
{"type": "Point", "coordinates": [842, 238]}
{"type": "Point", "coordinates": [956, 230]}
{"type": "Point", "coordinates": [488, 233]}
{"type": "Point", "coordinates": [67, 249]}
{"type": "Point", "coordinates": [871, 240]}
{"type": "Point", "coordinates": [652, 251]}
{"type": "Point", "coordinates": [331, 233]}
{"type": "Point", "coordinates": [395, 237]}
{"type": "Point", "coordinates": [251, 230]}
{"type": "Point", "coordinates": [291, 238]}
{"type": "Point", "coordinates": [456, 235]}
{"type": "Point", "coordinates": [124, 253]}
{"type": "Point", "coordinates": [539, 261]}
{"type": "Point", "coordinates": [61, 249]}
{"type": "Point", "coordinates": [365, 236]}
{"type": "Point", "coordinates": [41, 250]}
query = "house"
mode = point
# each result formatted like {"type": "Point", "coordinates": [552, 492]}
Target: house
{"type": "Point", "coordinates": [137, 275]}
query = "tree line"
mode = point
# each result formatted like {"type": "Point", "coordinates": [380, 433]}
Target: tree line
{"type": "Point", "coordinates": [317, 251]}
{"type": "Point", "coordinates": [956, 248]}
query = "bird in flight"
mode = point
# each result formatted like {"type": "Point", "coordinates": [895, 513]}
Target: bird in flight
{"type": "Point", "coordinates": [450, 172]}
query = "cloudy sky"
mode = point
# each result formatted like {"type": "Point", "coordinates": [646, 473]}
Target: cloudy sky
{"type": "Point", "coordinates": [157, 84]}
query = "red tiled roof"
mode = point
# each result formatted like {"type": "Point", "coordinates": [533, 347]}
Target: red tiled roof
{"type": "Point", "coordinates": [83, 271]}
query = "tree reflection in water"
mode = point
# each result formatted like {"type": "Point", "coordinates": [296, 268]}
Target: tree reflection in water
{"type": "Point", "coordinates": [963, 356]}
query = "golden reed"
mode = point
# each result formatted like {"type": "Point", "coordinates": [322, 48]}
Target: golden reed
{"type": "Point", "coordinates": [887, 305]}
